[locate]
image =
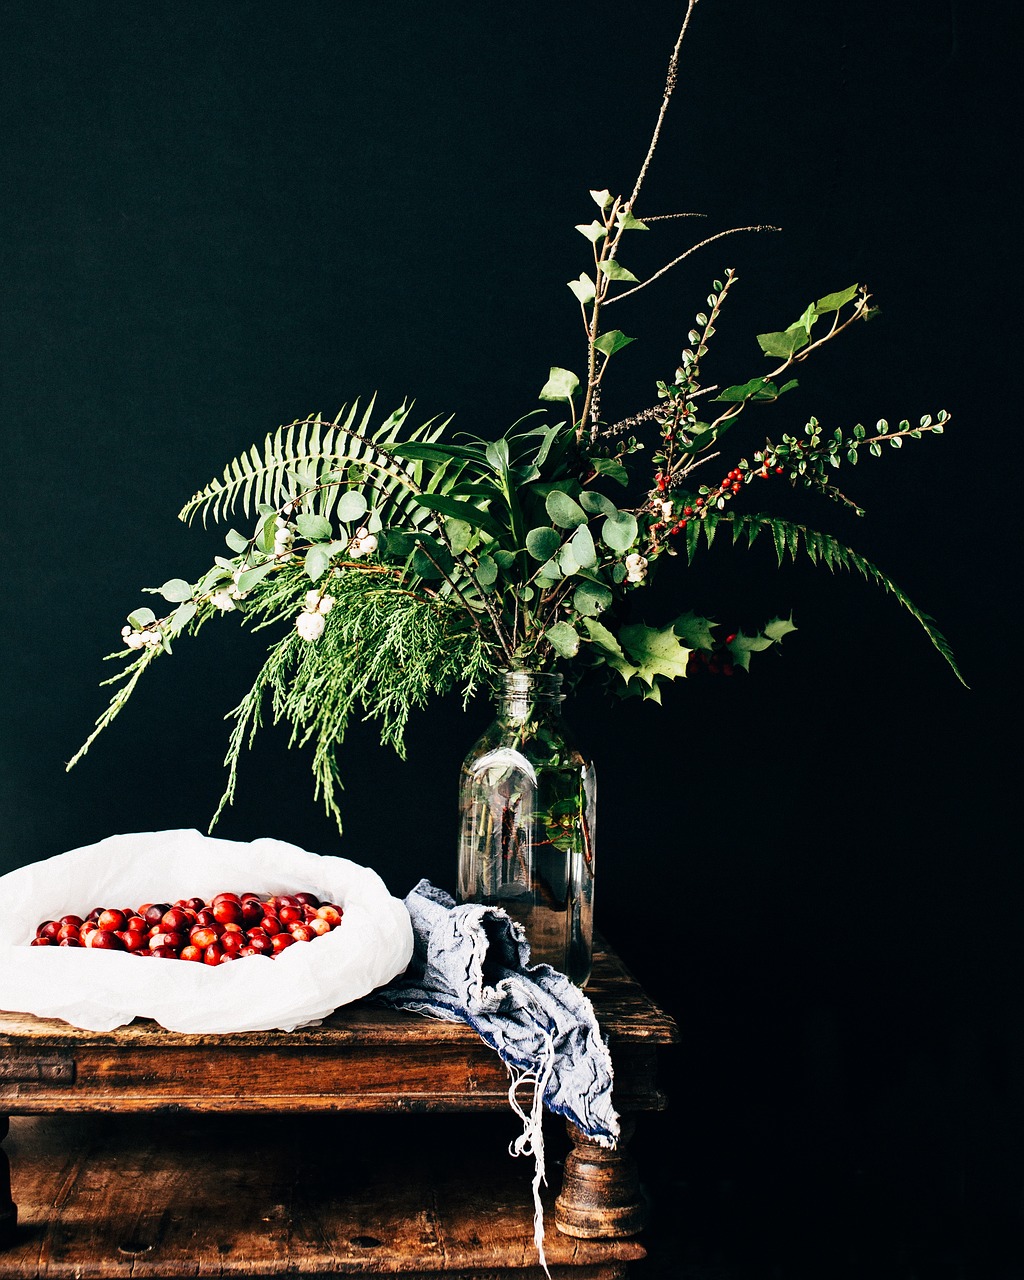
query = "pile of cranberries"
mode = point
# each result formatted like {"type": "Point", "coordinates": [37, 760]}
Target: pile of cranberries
{"type": "Point", "coordinates": [228, 927]}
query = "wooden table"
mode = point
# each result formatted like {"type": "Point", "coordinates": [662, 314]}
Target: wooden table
{"type": "Point", "coordinates": [119, 1168]}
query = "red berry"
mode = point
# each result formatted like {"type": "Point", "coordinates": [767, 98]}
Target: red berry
{"type": "Point", "coordinates": [104, 940]}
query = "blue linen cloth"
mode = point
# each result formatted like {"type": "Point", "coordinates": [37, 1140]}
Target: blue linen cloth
{"type": "Point", "coordinates": [471, 963]}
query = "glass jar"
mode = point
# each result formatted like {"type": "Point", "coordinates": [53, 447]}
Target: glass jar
{"type": "Point", "coordinates": [527, 803]}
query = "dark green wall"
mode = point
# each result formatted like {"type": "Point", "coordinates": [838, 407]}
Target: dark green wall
{"type": "Point", "coordinates": [220, 217]}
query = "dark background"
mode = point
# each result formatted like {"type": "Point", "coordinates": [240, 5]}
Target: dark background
{"type": "Point", "coordinates": [220, 217]}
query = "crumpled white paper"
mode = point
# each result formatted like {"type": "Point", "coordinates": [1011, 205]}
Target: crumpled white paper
{"type": "Point", "coordinates": [99, 990]}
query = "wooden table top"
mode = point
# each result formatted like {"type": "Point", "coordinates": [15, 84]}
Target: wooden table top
{"type": "Point", "coordinates": [361, 1058]}
{"type": "Point", "coordinates": [626, 1014]}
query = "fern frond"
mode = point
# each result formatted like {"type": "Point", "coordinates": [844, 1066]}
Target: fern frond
{"type": "Point", "coordinates": [296, 457]}
{"type": "Point", "coordinates": [788, 537]}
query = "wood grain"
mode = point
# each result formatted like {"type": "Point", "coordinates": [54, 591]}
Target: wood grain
{"type": "Point", "coordinates": [266, 1196]}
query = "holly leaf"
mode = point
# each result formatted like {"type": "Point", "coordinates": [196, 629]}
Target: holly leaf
{"type": "Point", "coordinates": [779, 627]}
{"type": "Point", "coordinates": [656, 652]}
{"type": "Point", "coordinates": [696, 631]}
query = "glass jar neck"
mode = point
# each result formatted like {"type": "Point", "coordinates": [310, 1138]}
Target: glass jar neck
{"type": "Point", "coordinates": [525, 694]}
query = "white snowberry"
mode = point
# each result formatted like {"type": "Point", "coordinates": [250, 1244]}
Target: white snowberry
{"type": "Point", "coordinates": [310, 626]}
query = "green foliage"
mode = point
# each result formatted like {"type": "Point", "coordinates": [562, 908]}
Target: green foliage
{"type": "Point", "coordinates": [398, 563]}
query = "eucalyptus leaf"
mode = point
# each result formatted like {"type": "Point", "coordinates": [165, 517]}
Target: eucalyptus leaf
{"type": "Point", "coordinates": [619, 531]}
{"type": "Point", "coordinates": [563, 511]}
{"type": "Point", "coordinates": [316, 562]}
{"type": "Point", "coordinates": [459, 533]}
{"type": "Point", "coordinates": [183, 615]}
{"type": "Point", "coordinates": [236, 541]}
{"type": "Point", "coordinates": [582, 544]}
{"type": "Point", "coordinates": [486, 571]}
{"type": "Point", "coordinates": [176, 590]}
{"type": "Point", "coordinates": [351, 506]}
{"type": "Point", "coordinates": [543, 542]}
{"type": "Point", "coordinates": [314, 527]}
{"type": "Point", "coordinates": [564, 639]}
{"type": "Point", "coordinates": [567, 561]}
{"type": "Point", "coordinates": [596, 503]}
{"type": "Point", "coordinates": [249, 579]}
{"type": "Point", "coordinates": [591, 598]}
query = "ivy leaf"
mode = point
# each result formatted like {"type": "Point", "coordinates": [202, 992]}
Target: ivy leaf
{"type": "Point", "coordinates": [351, 506]}
{"type": "Point", "coordinates": [782, 346]}
{"type": "Point", "coordinates": [543, 542]}
{"type": "Point", "coordinates": [564, 639]}
{"type": "Point", "coordinates": [627, 222]}
{"type": "Point", "coordinates": [315, 528]}
{"type": "Point", "coordinates": [612, 341]}
{"type": "Point", "coordinates": [616, 271]}
{"type": "Point", "coordinates": [655, 652]}
{"type": "Point", "coordinates": [618, 532]}
{"type": "Point", "coordinates": [755, 389]}
{"type": "Point", "coordinates": [593, 231]}
{"type": "Point", "coordinates": [562, 384]}
{"type": "Point", "coordinates": [833, 301]}
{"type": "Point", "coordinates": [563, 511]}
{"type": "Point", "coordinates": [612, 468]}
{"type": "Point", "coordinates": [584, 288]}
{"type": "Point", "coordinates": [176, 590]}
{"type": "Point", "coordinates": [601, 198]}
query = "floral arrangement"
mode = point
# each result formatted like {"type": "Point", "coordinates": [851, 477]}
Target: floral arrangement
{"type": "Point", "coordinates": [397, 561]}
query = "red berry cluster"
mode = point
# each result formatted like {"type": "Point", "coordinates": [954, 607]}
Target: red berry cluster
{"type": "Point", "coordinates": [228, 927]}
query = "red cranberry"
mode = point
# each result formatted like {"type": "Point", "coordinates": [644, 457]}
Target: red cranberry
{"type": "Point", "coordinates": [302, 933]}
{"type": "Point", "coordinates": [164, 953]}
{"type": "Point", "coordinates": [153, 914]}
{"type": "Point", "coordinates": [212, 954]}
{"type": "Point", "coordinates": [104, 940]}
{"type": "Point", "coordinates": [270, 925]}
{"type": "Point", "coordinates": [40, 941]}
{"type": "Point", "coordinates": [289, 915]}
{"type": "Point", "coordinates": [281, 940]}
{"type": "Point", "coordinates": [176, 919]}
{"type": "Point", "coordinates": [307, 899]}
{"type": "Point", "coordinates": [192, 953]}
{"type": "Point", "coordinates": [227, 911]}
{"type": "Point", "coordinates": [203, 936]}
{"type": "Point", "coordinates": [64, 921]}
{"type": "Point", "coordinates": [69, 942]}
{"type": "Point", "coordinates": [331, 913]}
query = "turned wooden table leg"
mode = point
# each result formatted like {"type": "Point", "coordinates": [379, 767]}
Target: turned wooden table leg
{"type": "Point", "coordinates": [601, 1193]}
{"type": "Point", "coordinates": [8, 1209]}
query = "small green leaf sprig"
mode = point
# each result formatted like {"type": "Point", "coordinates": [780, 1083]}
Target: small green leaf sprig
{"type": "Point", "coordinates": [395, 563]}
